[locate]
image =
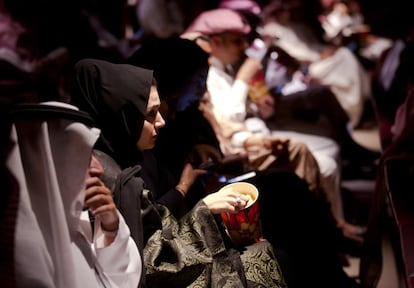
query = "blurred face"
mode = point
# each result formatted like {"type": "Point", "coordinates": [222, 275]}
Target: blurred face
{"type": "Point", "coordinates": [229, 47]}
{"type": "Point", "coordinates": [152, 123]}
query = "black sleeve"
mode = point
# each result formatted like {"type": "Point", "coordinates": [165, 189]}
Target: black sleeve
{"type": "Point", "coordinates": [175, 202]}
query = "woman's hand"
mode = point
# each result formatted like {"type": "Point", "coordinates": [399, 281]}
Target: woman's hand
{"type": "Point", "coordinates": [203, 153]}
{"type": "Point", "coordinates": [226, 200]}
{"type": "Point", "coordinates": [188, 177]}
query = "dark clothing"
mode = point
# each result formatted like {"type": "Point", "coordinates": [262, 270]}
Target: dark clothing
{"type": "Point", "coordinates": [298, 222]}
{"type": "Point", "coordinates": [314, 111]}
{"type": "Point", "coordinates": [166, 54]}
{"type": "Point", "coordinates": [209, 263]}
{"type": "Point", "coordinates": [173, 147]}
{"type": "Point", "coordinates": [119, 110]}
{"type": "Point", "coordinates": [189, 252]}
{"type": "Point", "coordinates": [177, 138]}
{"type": "Point", "coordinates": [290, 212]}
{"type": "Point", "coordinates": [192, 251]}
{"type": "Point", "coordinates": [127, 197]}
{"type": "Point", "coordinates": [162, 191]}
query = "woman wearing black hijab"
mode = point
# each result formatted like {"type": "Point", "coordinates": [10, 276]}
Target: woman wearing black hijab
{"type": "Point", "coordinates": [118, 117]}
{"type": "Point", "coordinates": [116, 97]}
{"type": "Point", "coordinates": [124, 102]}
{"type": "Point", "coordinates": [298, 223]}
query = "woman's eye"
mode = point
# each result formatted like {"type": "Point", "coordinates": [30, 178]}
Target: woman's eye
{"type": "Point", "coordinates": [151, 116]}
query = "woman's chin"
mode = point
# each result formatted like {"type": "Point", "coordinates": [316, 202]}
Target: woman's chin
{"type": "Point", "coordinates": [149, 146]}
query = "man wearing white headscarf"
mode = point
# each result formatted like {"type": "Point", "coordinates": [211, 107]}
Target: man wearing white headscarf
{"type": "Point", "coordinates": [53, 246]}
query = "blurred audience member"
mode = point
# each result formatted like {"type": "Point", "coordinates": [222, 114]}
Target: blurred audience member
{"type": "Point", "coordinates": [336, 67]}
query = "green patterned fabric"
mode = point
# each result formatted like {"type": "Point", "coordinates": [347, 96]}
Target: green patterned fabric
{"type": "Point", "coordinates": [261, 267]}
{"type": "Point", "coordinates": [191, 253]}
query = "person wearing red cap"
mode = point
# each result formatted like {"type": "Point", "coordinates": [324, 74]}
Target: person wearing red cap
{"type": "Point", "coordinates": [228, 79]}
{"type": "Point", "coordinates": [227, 33]}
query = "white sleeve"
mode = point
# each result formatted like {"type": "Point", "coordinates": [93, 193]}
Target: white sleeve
{"type": "Point", "coordinates": [238, 138]}
{"type": "Point", "coordinates": [120, 261]}
{"type": "Point", "coordinates": [227, 96]}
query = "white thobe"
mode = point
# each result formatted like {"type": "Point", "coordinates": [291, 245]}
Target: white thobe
{"type": "Point", "coordinates": [228, 98]}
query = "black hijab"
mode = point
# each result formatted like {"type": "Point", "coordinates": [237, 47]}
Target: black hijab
{"type": "Point", "coordinates": [116, 96]}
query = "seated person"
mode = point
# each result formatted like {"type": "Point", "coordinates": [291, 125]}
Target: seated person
{"type": "Point", "coordinates": [228, 81]}
{"type": "Point", "coordinates": [336, 67]}
{"type": "Point", "coordinates": [343, 24]}
{"type": "Point", "coordinates": [311, 109]}
{"type": "Point", "coordinates": [177, 139]}
{"type": "Point", "coordinates": [189, 251]}
{"type": "Point", "coordinates": [52, 222]}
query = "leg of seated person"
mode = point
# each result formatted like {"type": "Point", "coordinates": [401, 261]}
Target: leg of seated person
{"type": "Point", "coordinates": [326, 153]}
{"type": "Point", "coordinates": [303, 163]}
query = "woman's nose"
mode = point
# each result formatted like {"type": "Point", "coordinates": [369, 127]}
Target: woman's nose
{"type": "Point", "coordinates": [159, 122]}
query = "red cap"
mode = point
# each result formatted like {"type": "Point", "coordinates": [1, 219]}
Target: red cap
{"type": "Point", "coordinates": [217, 21]}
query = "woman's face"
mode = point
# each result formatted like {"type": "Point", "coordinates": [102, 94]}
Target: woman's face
{"type": "Point", "coordinates": [153, 122]}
